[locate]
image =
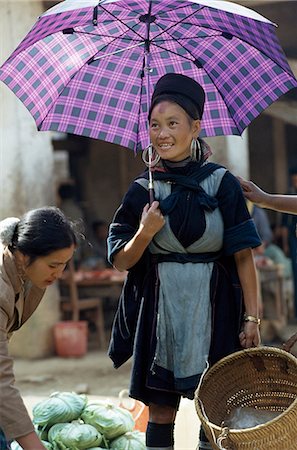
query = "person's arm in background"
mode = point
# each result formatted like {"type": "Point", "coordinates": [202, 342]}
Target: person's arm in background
{"type": "Point", "coordinates": [277, 202]}
{"type": "Point", "coordinates": [250, 335]}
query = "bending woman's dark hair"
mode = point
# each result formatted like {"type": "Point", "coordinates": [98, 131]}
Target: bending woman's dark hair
{"type": "Point", "coordinates": [42, 231]}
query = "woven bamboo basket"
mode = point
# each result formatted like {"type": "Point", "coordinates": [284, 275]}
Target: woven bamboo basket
{"type": "Point", "coordinates": [264, 378]}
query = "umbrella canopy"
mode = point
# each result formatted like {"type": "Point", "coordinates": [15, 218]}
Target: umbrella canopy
{"type": "Point", "coordinates": [89, 68]}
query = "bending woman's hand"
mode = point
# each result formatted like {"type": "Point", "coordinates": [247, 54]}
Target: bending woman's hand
{"type": "Point", "coordinates": [250, 335]}
{"type": "Point", "coordinates": [31, 442]}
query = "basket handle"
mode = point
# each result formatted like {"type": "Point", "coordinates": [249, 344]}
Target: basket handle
{"type": "Point", "coordinates": [290, 342]}
{"type": "Point", "coordinates": [223, 439]}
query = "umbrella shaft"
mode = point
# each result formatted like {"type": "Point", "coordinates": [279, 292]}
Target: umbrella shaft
{"type": "Point", "coordinates": [151, 181]}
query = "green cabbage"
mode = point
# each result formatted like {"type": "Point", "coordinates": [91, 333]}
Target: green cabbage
{"type": "Point", "coordinates": [54, 432]}
{"type": "Point", "coordinates": [133, 440]}
{"type": "Point", "coordinates": [42, 432]}
{"type": "Point", "coordinates": [47, 445]}
{"type": "Point", "coordinates": [74, 436]}
{"type": "Point", "coordinates": [59, 407]}
{"type": "Point", "coordinates": [108, 419]}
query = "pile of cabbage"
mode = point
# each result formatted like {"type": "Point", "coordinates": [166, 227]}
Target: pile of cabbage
{"type": "Point", "coordinates": [67, 421]}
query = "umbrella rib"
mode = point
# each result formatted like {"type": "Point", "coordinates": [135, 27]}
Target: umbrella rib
{"type": "Point", "coordinates": [166, 30]}
{"type": "Point", "coordinates": [117, 37]}
{"type": "Point", "coordinates": [99, 36]}
{"type": "Point", "coordinates": [175, 53]}
{"type": "Point", "coordinates": [233, 35]}
{"type": "Point", "coordinates": [117, 51]}
{"type": "Point", "coordinates": [179, 22]}
{"type": "Point", "coordinates": [181, 45]}
{"type": "Point", "coordinates": [192, 25]}
{"type": "Point", "coordinates": [182, 7]}
{"type": "Point", "coordinates": [139, 110]}
{"type": "Point", "coordinates": [188, 23]}
{"type": "Point", "coordinates": [269, 56]}
{"type": "Point", "coordinates": [186, 38]}
{"type": "Point", "coordinates": [119, 20]}
{"type": "Point", "coordinates": [111, 42]}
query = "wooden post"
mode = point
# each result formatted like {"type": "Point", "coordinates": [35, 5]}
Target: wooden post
{"type": "Point", "coordinates": [280, 156]}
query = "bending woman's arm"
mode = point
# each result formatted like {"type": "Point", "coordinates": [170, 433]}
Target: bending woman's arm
{"type": "Point", "coordinates": [277, 202]}
{"type": "Point", "coordinates": [151, 222]}
{"type": "Point", "coordinates": [15, 421]}
{"type": "Point", "coordinates": [31, 442]}
{"type": "Point", "coordinates": [250, 335]}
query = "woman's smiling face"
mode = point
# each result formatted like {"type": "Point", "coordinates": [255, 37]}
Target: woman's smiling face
{"type": "Point", "coordinates": [172, 131]}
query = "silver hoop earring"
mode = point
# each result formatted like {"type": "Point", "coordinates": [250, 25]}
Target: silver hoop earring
{"type": "Point", "coordinates": [150, 157]}
{"type": "Point", "coordinates": [195, 150]}
{"type": "Point", "coordinates": [199, 149]}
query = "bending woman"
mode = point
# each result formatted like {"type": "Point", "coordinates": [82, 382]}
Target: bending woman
{"type": "Point", "coordinates": [33, 254]}
{"type": "Point", "coordinates": [191, 275]}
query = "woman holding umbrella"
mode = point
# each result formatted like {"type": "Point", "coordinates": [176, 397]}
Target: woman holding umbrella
{"type": "Point", "coordinates": [34, 252]}
{"type": "Point", "coordinates": [191, 290]}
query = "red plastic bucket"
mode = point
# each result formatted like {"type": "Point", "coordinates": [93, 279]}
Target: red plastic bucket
{"type": "Point", "coordinates": [71, 338]}
{"type": "Point", "coordinates": [139, 410]}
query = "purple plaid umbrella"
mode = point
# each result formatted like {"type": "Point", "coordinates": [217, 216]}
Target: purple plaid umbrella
{"type": "Point", "coordinates": [88, 68]}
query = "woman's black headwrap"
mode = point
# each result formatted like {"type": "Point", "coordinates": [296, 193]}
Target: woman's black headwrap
{"type": "Point", "coordinates": [181, 89]}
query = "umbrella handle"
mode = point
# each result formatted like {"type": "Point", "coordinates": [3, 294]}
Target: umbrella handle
{"type": "Point", "coordinates": [151, 195]}
{"type": "Point", "coordinates": [150, 162]}
{"type": "Point", "coordinates": [151, 184]}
